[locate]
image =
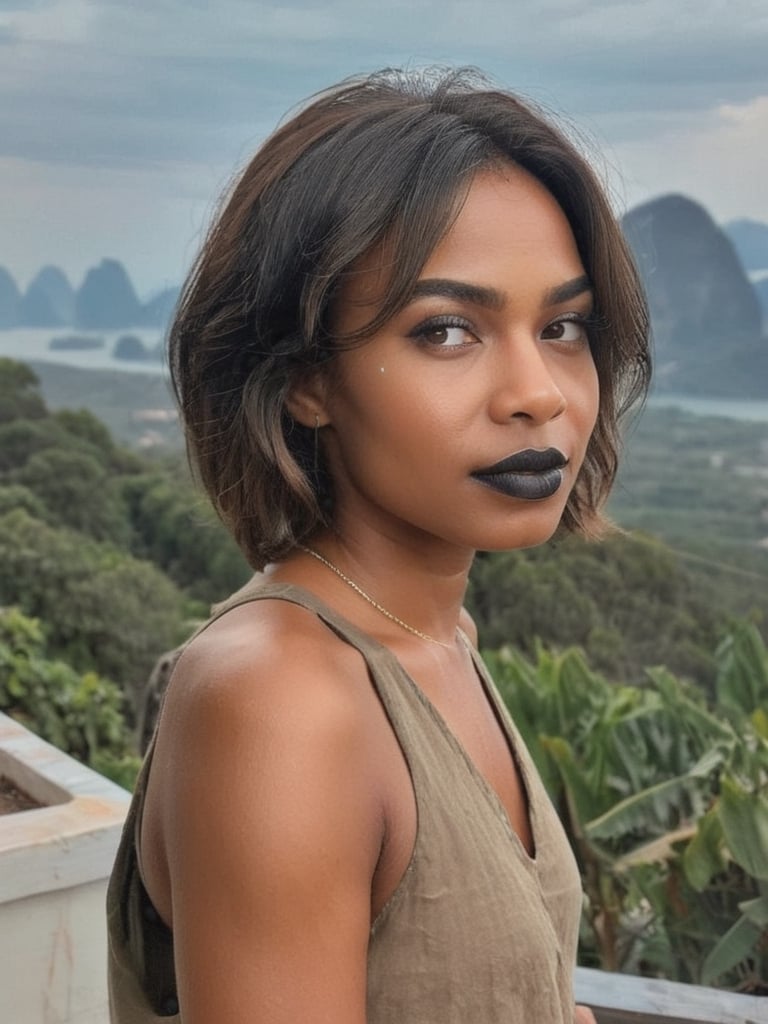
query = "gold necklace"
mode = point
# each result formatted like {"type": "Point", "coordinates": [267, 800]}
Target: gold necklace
{"type": "Point", "coordinates": [379, 608]}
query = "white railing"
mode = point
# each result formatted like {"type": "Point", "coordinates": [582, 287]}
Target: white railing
{"type": "Point", "coordinates": [624, 999]}
{"type": "Point", "coordinates": [54, 865]}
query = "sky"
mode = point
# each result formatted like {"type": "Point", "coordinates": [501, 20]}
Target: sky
{"type": "Point", "coordinates": [122, 121]}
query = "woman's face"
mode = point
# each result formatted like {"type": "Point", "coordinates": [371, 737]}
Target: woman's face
{"type": "Point", "coordinates": [489, 361]}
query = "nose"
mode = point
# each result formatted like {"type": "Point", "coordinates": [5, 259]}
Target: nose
{"type": "Point", "coordinates": [524, 386]}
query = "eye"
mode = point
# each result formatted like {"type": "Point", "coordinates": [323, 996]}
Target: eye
{"type": "Point", "coordinates": [447, 332]}
{"type": "Point", "coordinates": [572, 329]}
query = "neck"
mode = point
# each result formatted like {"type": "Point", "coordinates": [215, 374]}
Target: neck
{"type": "Point", "coordinates": [420, 586]}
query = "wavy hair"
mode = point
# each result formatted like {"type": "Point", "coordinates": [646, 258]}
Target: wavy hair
{"type": "Point", "coordinates": [384, 159]}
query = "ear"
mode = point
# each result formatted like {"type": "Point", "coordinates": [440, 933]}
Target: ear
{"type": "Point", "coordinates": [305, 401]}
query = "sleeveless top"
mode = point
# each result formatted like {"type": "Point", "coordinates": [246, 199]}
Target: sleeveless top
{"type": "Point", "coordinates": [477, 931]}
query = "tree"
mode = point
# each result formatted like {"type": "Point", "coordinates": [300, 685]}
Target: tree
{"type": "Point", "coordinates": [101, 608]}
{"type": "Point", "coordinates": [664, 798]}
{"type": "Point", "coordinates": [81, 714]}
{"type": "Point", "coordinates": [20, 396]}
{"type": "Point", "coordinates": [176, 528]}
{"type": "Point", "coordinates": [77, 492]}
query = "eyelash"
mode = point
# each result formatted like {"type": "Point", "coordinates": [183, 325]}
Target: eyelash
{"type": "Point", "coordinates": [589, 322]}
{"type": "Point", "coordinates": [436, 323]}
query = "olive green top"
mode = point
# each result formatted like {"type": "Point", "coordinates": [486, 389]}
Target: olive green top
{"type": "Point", "coordinates": [477, 931]}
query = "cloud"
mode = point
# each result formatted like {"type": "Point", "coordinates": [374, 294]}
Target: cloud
{"type": "Point", "coordinates": [120, 120]}
{"type": "Point", "coordinates": [140, 79]}
{"type": "Point", "coordinates": [718, 160]}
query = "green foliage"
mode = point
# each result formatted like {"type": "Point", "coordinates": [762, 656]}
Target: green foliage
{"type": "Point", "coordinates": [699, 484]}
{"type": "Point", "coordinates": [665, 797]}
{"type": "Point", "coordinates": [20, 396]}
{"type": "Point", "coordinates": [77, 492]}
{"type": "Point", "coordinates": [102, 609]}
{"type": "Point", "coordinates": [90, 534]}
{"type": "Point", "coordinates": [174, 527]}
{"type": "Point", "coordinates": [82, 424]}
{"type": "Point", "coordinates": [81, 714]}
{"type": "Point", "coordinates": [628, 602]}
{"type": "Point", "coordinates": [17, 497]}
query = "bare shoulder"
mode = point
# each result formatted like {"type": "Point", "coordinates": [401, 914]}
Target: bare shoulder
{"type": "Point", "coordinates": [260, 636]}
{"type": "Point", "coordinates": [265, 689]}
{"type": "Point", "coordinates": [265, 817]}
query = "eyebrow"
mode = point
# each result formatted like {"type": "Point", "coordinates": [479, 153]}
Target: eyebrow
{"type": "Point", "coordinates": [568, 290]}
{"type": "Point", "coordinates": [491, 298]}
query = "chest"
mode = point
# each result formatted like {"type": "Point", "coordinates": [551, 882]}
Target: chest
{"type": "Point", "coordinates": [477, 929]}
{"type": "Point", "coordinates": [471, 716]}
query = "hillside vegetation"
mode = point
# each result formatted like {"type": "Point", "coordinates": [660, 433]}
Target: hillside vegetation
{"type": "Point", "coordinates": [642, 697]}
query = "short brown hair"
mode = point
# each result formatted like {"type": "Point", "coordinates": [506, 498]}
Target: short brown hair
{"type": "Point", "coordinates": [385, 157]}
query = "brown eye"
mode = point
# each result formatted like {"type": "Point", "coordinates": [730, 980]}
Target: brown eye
{"type": "Point", "coordinates": [570, 329]}
{"type": "Point", "coordinates": [445, 334]}
{"type": "Point", "coordinates": [437, 335]}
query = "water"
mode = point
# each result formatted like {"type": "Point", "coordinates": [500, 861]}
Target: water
{"type": "Point", "coordinates": [732, 408]}
{"type": "Point", "coordinates": [30, 344]}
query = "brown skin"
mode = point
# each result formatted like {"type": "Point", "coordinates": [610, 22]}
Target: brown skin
{"type": "Point", "coordinates": [280, 815]}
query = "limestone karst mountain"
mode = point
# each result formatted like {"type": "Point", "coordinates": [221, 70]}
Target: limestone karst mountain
{"type": "Point", "coordinates": [750, 240]}
{"type": "Point", "coordinates": [709, 327]}
{"type": "Point", "coordinates": [49, 301]}
{"type": "Point", "coordinates": [10, 300]}
{"type": "Point", "coordinates": [159, 309]}
{"type": "Point", "coordinates": [706, 317]}
{"type": "Point", "coordinates": [107, 299]}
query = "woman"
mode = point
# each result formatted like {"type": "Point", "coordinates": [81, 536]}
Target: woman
{"type": "Point", "coordinates": [408, 337]}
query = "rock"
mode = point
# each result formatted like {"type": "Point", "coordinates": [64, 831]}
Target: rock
{"type": "Point", "coordinates": [106, 299]}
{"type": "Point", "coordinates": [49, 301]}
{"type": "Point", "coordinates": [706, 318]}
{"type": "Point", "coordinates": [10, 300]}
{"type": "Point", "coordinates": [159, 310]}
{"type": "Point", "coordinates": [131, 347]}
{"type": "Point", "coordinates": [750, 240]}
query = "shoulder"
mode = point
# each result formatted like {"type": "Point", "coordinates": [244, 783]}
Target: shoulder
{"type": "Point", "coordinates": [267, 728]}
{"type": "Point", "coordinates": [264, 641]}
{"type": "Point", "coordinates": [265, 673]}
{"type": "Point", "coordinates": [265, 811]}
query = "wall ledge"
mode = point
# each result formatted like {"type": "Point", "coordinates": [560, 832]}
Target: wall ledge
{"type": "Point", "coordinates": [73, 838]}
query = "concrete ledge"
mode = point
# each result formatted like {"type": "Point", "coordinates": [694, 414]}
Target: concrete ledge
{"type": "Point", "coordinates": [54, 864]}
{"type": "Point", "coordinates": [70, 841]}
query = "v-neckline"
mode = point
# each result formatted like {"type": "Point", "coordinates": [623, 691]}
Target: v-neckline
{"type": "Point", "coordinates": [315, 603]}
{"type": "Point", "coordinates": [511, 739]}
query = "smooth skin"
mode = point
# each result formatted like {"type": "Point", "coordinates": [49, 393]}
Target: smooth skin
{"type": "Point", "coordinates": [279, 815]}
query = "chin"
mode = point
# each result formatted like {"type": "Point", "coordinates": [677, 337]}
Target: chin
{"type": "Point", "coordinates": [518, 535]}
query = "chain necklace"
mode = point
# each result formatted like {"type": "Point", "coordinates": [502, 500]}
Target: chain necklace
{"type": "Point", "coordinates": [379, 608]}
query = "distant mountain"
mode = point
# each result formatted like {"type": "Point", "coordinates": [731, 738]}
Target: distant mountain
{"type": "Point", "coordinates": [49, 301]}
{"type": "Point", "coordinates": [706, 318]}
{"type": "Point", "coordinates": [10, 300]}
{"type": "Point", "coordinates": [106, 300]}
{"type": "Point", "coordinates": [159, 309]}
{"type": "Point", "coordinates": [750, 239]}
{"type": "Point", "coordinates": [761, 288]}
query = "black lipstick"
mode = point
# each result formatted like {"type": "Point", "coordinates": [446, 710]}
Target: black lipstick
{"type": "Point", "coordinates": [531, 474]}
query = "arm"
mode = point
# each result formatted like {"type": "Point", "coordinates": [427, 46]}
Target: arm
{"type": "Point", "coordinates": [583, 1015]}
{"type": "Point", "coordinates": [271, 831]}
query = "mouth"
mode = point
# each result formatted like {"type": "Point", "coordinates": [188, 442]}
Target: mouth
{"type": "Point", "coordinates": [531, 474]}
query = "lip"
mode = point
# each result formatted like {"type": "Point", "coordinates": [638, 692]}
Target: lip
{"type": "Point", "coordinates": [531, 474]}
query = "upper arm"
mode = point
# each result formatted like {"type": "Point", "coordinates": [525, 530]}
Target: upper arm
{"type": "Point", "coordinates": [271, 829]}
